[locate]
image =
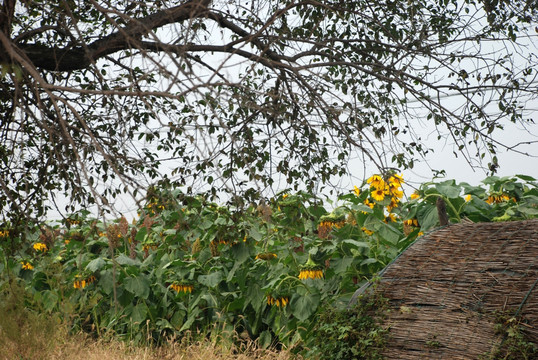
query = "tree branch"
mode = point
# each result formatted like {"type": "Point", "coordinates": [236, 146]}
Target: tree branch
{"type": "Point", "coordinates": [80, 57]}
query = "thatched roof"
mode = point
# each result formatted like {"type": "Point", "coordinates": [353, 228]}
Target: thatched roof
{"type": "Point", "coordinates": [444, 290]}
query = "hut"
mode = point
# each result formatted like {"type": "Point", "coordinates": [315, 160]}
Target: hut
{"type": "Point", "coordinates": [457, 292]}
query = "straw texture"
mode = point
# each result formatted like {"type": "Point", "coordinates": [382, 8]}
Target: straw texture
{"type": "Point", "coordinates": [444, 290]}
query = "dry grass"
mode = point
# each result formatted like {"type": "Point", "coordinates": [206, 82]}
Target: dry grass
{"type": "Point", "coordinates": [57, 345]}
{"type": "Point", "coordinates": [82, 348]}
{"type": "Point", "coordinates": [27, 335]}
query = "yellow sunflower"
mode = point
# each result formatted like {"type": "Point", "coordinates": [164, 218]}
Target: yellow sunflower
{"type": "Point", "coordinates": [378, 194]}
{"type": "Point", "coordinates": [40, 247]}
{"type": "Point", "coordinates": [376, 181]}
{"type": "Point", "coordinates": [26, 265]}
{"type": "Point", "coordinates": [396, 179]}
{"type": "Point", "coordinates": [184, 288]}
{"type": "Point", "coordinates": [279, 301]}
{"type": "Point", "coordinates": [311, 274]}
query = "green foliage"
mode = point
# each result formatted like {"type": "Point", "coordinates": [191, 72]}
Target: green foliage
{"type": "Point", "coordinates": [352, 333]}
{"type": "Point", "coordinates": [514, 343]}
{"type": "Point", "coordinates": [505, 198]}
{"type": "Point", "coordinates": [270, 272]}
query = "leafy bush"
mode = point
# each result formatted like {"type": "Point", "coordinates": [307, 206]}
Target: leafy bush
{"type": "Point", "coordinates": [352, 333]}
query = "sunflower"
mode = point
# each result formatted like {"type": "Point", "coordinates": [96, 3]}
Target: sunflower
{"type": "Point", "coordinates": [40, 247]}
{"type": "Point", "coordinates": [396, 193]}
{"type": "Point", "coordinates": [279, 301]}
{"type": "Point", "coordinates": [311, 270]}
{"type": "Point", "coordinates": [79, 284]}
{"type": "Point", "coordinates": [498, 198]}
{"type": "Point", "coordinates": [356, 190]}
{"type": "Point", "coordinates": [415, 195]}
{"type": "Point", "coordinates": [265, 256]}
{"type": "Point", "coordinates": [396, 179]}
{"type": "Point", "coordinates": [184, 288]}
{"type": "Point", "coordinates": [149, 246]}
{"type": "Point", "coordinates": [378, 194]}
{"type": "Point", "coordinates": [311, 274]}
{"type": "Point", "coordinates": [393, 204]}
{"type": "Point", "coordinates": [376, 181]}
{"type": "Point", "coordinates": [82, 283]}
{"type": "Point", "coordinates": [26, 265]}
{"type": "Point", "coordinates": [410, 225]}
{"type": "Point", "coordinates": [411, 222]}
{"type": "Point", "coordinates": [329, 222]}
{"type": "Point", "coordinates": [369, 204]}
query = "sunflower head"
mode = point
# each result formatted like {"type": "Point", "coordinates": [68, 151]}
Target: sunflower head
{"type": "Point", "coordinates": [182, 287]}
{"type": "Point", "coordinates": [277, 300]}
{"type": "Point", "coordinates": [311, 270]}
{"type": "Point", "coordinates": [376, 181]}
{"type": "Point", "coordinates": [265, 256]}
{"type": "Point", "coordinates": [378, 194]}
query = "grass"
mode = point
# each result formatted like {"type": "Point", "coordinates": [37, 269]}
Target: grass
{"type": "Point", "coordinates": [104, 350]}
{"type": "Point", "coordinates": [81, 347]}
{"type": "Point", "coordinates": [26, 334]}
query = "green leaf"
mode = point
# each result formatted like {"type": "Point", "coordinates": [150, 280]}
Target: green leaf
{"type": "Point", "coordinates": [141, 235]}
{"type": "Point", "coordinates": [302, 307]}
{"type": "Point", "coordinates": [139, 313]}
{"type": "Point", "coordinates": [428, 217]}
{"type": "Point", "coordinates": [389, 233]}
{"type": "Point", "coordinates": [123, 259]}
{"type": "Point", "coordinates": [95, 265]}
{"type": "Point", "coordinates": [210, 280]}
{"type": "Point", "coordinates": [138, 285]}
{"type": "Point", "coordinates": [369, 261]}
{"type": "Point", "coordinates": [231, 274]}
{"type": "Point", "coordinates": [449, 189]}
{"type": "Point", "coordinates": [191, 318]}
{"type": "Point", "coordinates": [362, 208]}
{"type": "Point", "coordinates": [255, 233]}
{"type": "Point", "coordinates": [341, 265]}
{"type": "Point", "coordinates": [255, 296]}
{"type": "Point", "coordinates": [178, 318]}
{"type": "Point", "coordinates": [526, 177]}
{"type": "Point", "coordinates": [105, 282]}
{"type": "Point", "coordinates": [265, 339]}
{"type": "Point", "coordinates": [528, 210]}
{"type": "Point", "coordinates": [50, 299]}
{"type": "Point", "coordinates": [359, 244]}
{"type": "Point", "coordinates": [240, 252]}
{"type": "Point", "coordinates": [164, 324]}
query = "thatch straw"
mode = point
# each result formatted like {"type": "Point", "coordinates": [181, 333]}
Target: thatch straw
{"type": "Point", "coordinates": [445, 288]}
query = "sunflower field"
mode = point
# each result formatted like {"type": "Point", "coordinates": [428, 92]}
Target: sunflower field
{"type": "Point", "coordinates": [266, 272]}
